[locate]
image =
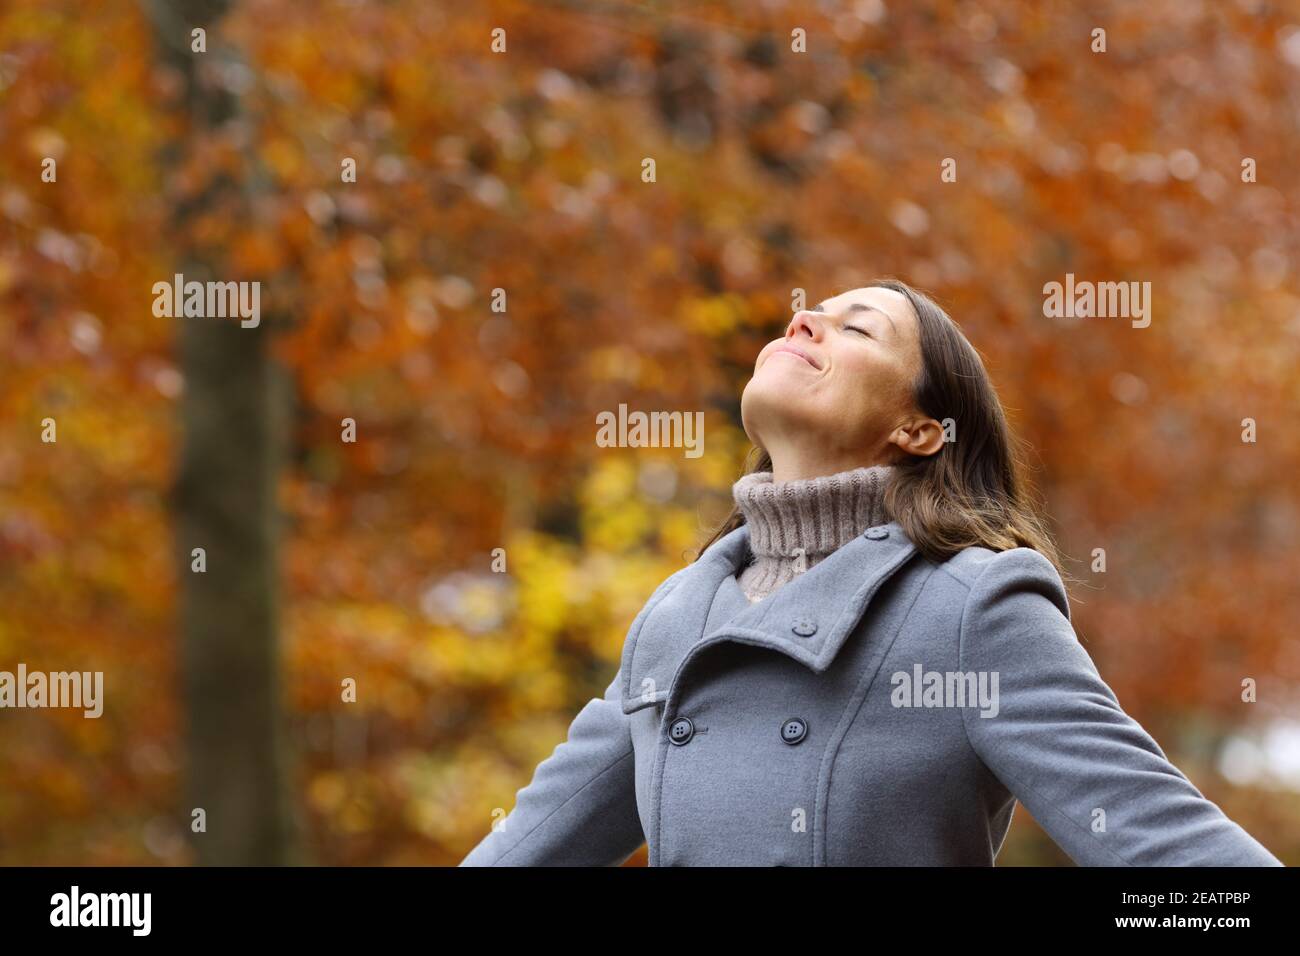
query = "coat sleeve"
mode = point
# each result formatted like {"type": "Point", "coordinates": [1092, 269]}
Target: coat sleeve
{"type": "Point", "coordinates": [1091, 776]}
{"type": "Point", "coordinates": [580, 807]}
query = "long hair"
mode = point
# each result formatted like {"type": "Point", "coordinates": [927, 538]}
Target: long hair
{"type": "Point", "coordinates": [972, 491]}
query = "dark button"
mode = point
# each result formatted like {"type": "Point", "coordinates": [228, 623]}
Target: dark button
{"type": "Point", "coordinates": [875, 534]}
{"type": "Point", "coordinates": [804, 627]}
{"type": "Point", "coordinates": [794, 730]}
{"type": "Point", "coordinates": [681, 731]}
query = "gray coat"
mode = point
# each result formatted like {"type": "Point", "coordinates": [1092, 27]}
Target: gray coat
{"type": "Point", "coordinates": [880, 710]}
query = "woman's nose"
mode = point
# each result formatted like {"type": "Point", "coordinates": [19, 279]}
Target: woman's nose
{"type": "Point", "coordinates": [805, 322]}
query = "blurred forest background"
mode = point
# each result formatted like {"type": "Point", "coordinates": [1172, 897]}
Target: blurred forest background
{"type": "Point", "coordinates": [522, 170]}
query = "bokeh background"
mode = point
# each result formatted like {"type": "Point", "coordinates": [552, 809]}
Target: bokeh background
{"type": "Point", "coordinates": [522, 170]}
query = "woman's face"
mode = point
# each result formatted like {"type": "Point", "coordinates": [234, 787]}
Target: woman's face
{"type": "Point", "coordinates": [839, 383]}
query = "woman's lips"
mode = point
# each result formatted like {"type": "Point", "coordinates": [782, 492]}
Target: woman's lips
{"type": "Point", "coordinates": [797, 353]}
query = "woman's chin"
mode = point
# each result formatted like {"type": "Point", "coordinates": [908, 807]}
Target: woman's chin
{"type": "Point", "coordinates": [776, 384]}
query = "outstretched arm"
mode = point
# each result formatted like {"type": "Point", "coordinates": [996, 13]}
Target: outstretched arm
{"type": "Point", "coordinates": [580, 808]}
{"type": "Point", "coordinates": [1091, 776]}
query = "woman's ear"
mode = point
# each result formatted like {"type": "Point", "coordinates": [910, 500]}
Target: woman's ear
{"type": "Point", "coordinates": [921, 437]}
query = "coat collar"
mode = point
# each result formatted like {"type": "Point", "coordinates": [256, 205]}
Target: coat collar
{"type": "Point", "coordinates": [809, 618]}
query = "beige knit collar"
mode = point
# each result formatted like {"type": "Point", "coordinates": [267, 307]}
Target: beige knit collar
{"type": "Point", "coordinates": [795, 524]}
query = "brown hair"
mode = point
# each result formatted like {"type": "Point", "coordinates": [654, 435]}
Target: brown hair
{"type": "Point", "coordinates": [972, 491]}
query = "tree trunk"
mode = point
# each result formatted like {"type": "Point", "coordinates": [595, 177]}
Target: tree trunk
{"type": "Point", "coordinates": [225, 499]}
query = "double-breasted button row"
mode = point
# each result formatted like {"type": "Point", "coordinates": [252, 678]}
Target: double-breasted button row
{"type": "Point", "coordinates": [793, 730]}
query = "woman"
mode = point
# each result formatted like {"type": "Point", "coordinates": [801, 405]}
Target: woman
{"type": "Point", "coordinates": [872, 660]}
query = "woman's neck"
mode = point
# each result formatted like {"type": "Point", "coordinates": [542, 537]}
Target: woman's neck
{"type": "Point", "coordinates": [810, 459]}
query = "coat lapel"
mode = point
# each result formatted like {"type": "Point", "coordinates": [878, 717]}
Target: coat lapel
{"type": "Point", "coordinates": [808, 619]}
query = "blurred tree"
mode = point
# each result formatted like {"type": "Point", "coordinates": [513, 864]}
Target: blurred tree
{"type": "Point", "coordinates": [225, 494]}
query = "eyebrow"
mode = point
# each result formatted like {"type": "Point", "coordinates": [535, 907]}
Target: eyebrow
{"type": "Point", "coordinates": [860, 307]}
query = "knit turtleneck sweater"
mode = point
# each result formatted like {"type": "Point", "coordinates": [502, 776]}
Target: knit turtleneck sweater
{"type": "Point", "coordinates": [795, 524]}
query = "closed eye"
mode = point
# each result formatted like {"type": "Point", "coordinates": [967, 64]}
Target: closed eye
{"type": "Point", "coordinates": [854, 328]}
